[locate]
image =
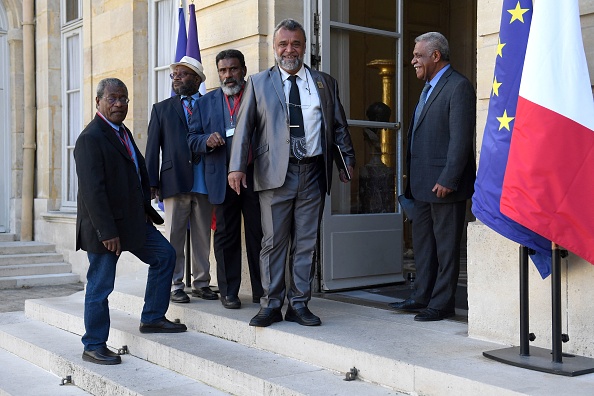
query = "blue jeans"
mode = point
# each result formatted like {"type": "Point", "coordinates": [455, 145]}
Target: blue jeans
{"type": "Point", "coordinates": [159, 255]}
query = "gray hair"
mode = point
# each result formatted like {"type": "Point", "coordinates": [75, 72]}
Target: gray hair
{"type": "Point", "coordinates": [436, 41]}
{"type": "Point", "coordinates": [109, 82]}
{"type": "Point", "coordinates": [290, 25]}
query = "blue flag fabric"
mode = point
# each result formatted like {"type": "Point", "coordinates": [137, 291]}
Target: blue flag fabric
{"type": "Point", "coordinates": [193, 47]}
{"type": "Point", "coordinates": [182, 38]}
{"type": "Point", "coordinates": [516, 17]}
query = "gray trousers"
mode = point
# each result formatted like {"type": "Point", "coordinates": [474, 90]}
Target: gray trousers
{"type": "Point", "coordinates": [290, 220]}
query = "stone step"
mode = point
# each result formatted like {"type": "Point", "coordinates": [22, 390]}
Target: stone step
{"type": "Point", "coordinates": [387, 348]}
{"type": "Point", "coordinates": [18, 247]}
{"type": "Point", "coordinates": [6, 237]}
{"type": "Point", "coordinates": [33, 258]}
{"type": "Point", "coordinates": [30, 341]}
{"type": "Point", "coordinates": [230, 366]}
{"type": "Point", "coordinates": [13, 282]}
{"type": "Point", "coordinates": [34, 269]}
{"type": "Point", "coordinates": [22, 378]}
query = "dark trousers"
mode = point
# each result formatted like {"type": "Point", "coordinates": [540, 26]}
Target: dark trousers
{"type": "Point", "coordinates": [437, 233]}
{"type": "Point", "coordinates": [227, 238]}
{"type": "Point", "coordinates": [159, 255]}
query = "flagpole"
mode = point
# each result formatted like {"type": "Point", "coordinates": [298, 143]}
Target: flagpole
{"type": "Point", "coordinates": [535, 358]}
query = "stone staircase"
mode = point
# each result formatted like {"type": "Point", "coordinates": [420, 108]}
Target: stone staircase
{"type": "Point", "coordinates": [27, 264]}
{"type": "Point", "coordinates": [221, 354]}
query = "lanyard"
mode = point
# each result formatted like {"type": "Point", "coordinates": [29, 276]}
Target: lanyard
{"type": "Point", "coordinates": [233, 110]}
{"type": "Point", "coordinates": [185, 102]}
{"type": "Point", "coordinates": [124, 139]}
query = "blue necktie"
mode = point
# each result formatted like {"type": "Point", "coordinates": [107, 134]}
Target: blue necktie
{"type": "Point", "coordinates": [421, 103]}
{"type": "Point", "coordinates": [188, 107]}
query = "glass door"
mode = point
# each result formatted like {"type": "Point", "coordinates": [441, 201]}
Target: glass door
{"type": "Point", "coordinates": [362, 228]}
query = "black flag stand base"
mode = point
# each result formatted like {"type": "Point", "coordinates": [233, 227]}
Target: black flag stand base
{"type": "Point", "coordinates": [541, 359]}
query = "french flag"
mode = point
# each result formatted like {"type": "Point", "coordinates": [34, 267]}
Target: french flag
{"type": "Point", "coordinates": [548, 185]}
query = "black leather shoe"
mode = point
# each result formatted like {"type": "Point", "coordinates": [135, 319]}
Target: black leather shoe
{"type": "Point", "coordinates": [179, 296]}
{"type": "Point", "coordinates": [432, 315]}
{"type": "Point", "coordinates": [256, 300]}
{"type": "Point", "coordinates": [205, 293]}
{"type": "Point", "coordinates": [231, 302]}
{"type": "Point", "coordinates": [101, 356]}
{"type": "Point", "coordinates": [266, 317]}
{"type": "Point", "coordinates": [407, 305]}
{"type": "Point", "coordinates": [303, 316]}
{"type": "Point", "coordinates": [162, 326]}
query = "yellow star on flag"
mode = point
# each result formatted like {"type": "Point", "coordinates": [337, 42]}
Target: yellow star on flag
{"type": "Point", "coordinates": [504, 121]}
{"type": "Point", "coordinates": [496, 86]}
{"type": "Point", "coordinates": [500, 46]}
{"type": "Point", "coordinates": [518, 13]}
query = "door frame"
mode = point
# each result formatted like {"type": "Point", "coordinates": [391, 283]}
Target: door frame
{"type": "Point", "coordinates": [339, 231]}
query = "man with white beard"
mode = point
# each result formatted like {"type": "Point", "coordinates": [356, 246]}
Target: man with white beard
{"type": "Point", "coordinates": [211, 134]}
{"type": "Point", "coordinates": [292, 117]}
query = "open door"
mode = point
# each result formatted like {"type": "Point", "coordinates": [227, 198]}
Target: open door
{"type": "Point", "coordinates": [362, 225]}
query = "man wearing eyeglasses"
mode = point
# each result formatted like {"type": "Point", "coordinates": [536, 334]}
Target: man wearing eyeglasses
{"type": "Point", "coordinates": [177, 178]}
{"type": "Point", "coordinates": [294, 117]}
{"type": "Point", "coordinates": [114, 214]}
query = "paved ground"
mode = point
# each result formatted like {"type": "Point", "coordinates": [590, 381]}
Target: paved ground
{"type": "Point", "coordinates": [14, 299]}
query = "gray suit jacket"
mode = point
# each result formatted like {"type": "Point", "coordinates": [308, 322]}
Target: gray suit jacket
{"type": "Point", "coordinates": [443, 144]}
{"type": "Point", "coordinates": [263, 114]}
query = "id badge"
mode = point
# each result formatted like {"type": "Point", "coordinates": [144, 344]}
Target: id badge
{"type": "Point", "coordinates": [229, 132]}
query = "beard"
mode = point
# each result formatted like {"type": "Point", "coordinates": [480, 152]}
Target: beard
{"type": "Point", "coordinates": [235, 89]}
{"type": "Point", "coordinates": [185, 89]}
{"type": "Point", "coordinates": [289, 65]}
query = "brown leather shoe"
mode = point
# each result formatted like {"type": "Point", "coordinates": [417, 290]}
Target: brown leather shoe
{"type": "Point", "coordinates": [205, 293]}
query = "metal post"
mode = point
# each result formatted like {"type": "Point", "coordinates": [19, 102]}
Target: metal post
{"type": "Point", "coordinates": [556, 303]}
{"type": "Point", "coordinates": [524, 303]}
{"type": "Point", "coordinates": [188, 250]}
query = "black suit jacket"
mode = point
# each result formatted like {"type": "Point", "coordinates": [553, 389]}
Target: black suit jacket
{"type": "Point", "coordinates": [167, 133]}
{"type": "Point", "coordinates": [443, 143]}
{"type": "Point", "coordinates": [113, 201]}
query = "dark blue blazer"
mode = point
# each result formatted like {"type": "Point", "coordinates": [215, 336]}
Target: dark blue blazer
{"type": "Point", "coordinates": [209, 118]}
{"type": "Point", "coordinates": [167, 132]}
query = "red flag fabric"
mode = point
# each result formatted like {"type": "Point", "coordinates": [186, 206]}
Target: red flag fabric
{"type": "Point", "coordinates": [549, 184]}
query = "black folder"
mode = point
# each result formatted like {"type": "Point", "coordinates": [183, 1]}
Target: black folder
{"type": "Point", "coordinates": [340, 163]}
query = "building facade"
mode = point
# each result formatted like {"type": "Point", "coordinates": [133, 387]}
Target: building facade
{"type": "Point", "coordinates": [54, 52]}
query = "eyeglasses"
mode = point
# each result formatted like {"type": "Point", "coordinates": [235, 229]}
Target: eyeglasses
{"type": "Point", "coordinates": [112, 100]}
{"type": "Point", "coordinates": [182, 74]}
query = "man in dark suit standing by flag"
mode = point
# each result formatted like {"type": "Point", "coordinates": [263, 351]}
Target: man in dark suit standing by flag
{"type": "Point", "coordinates": [441, 173]}
{"type": "Point", "coordinates": [293, 117]}
{"type": "Point", "coordinates": [177, 177]}
{"type": "Point", "coordinates": [211, 134]}
{"type": "Point", "coordinates": [114, 214]}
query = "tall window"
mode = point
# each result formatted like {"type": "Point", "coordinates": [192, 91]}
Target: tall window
{"type": "Point", "coordinates": [163, 22]}
{"type": "Point", "coordinates": [72, 79]}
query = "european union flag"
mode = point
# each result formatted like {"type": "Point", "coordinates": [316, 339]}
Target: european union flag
{"type": "Point", "coordinates": [516, 17]}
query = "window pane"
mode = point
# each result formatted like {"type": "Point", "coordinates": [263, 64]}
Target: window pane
{"type": "Point", "coordinates": [368, 13]}
{"type": "Point", "coordinates": [72, 10]}
{"type": "Point", "coordinates": [73, 62]}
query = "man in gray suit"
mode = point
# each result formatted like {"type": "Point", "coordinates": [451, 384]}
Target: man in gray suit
{"type": "Point", "coordinates": [295, 117]}
{"type": "Point", "coordinates": [441, 172]}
